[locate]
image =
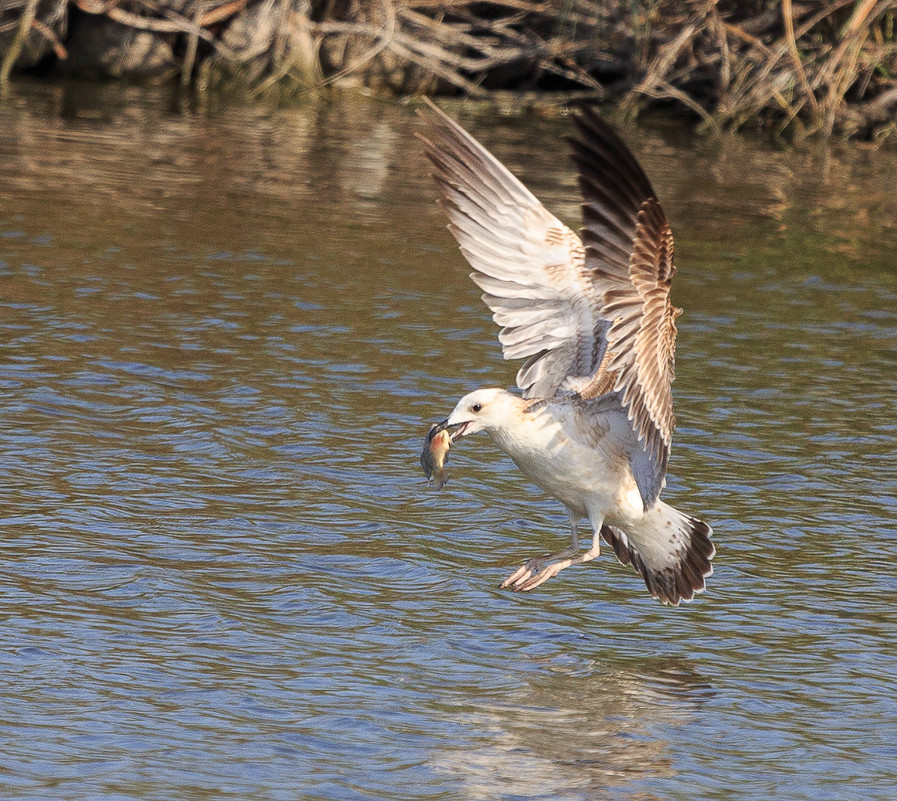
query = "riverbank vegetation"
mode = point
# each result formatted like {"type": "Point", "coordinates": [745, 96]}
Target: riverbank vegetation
{"type": "Point", "coordinates": [806, 68]}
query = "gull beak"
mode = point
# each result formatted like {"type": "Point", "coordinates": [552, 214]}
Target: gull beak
{"type": "Point", "coordinates": [456, 430]}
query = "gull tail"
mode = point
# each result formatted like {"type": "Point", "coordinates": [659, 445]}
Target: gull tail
{"type": "Point", "coordinates": [668, 549]}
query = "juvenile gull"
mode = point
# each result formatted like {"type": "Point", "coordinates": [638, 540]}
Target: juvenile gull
{"type": "Point", "coordinates": [593, 319]}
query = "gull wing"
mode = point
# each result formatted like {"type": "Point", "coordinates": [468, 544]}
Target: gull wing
{"type": "Point", "coordinates": [531, 267]}
{"type": "Point", "coordinates": [593, 316]}
{"type": "Point", "coordinates": [629, 256]}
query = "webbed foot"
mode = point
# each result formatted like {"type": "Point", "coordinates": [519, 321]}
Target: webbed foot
{"type": "Point", "coordinates": [539, 569]}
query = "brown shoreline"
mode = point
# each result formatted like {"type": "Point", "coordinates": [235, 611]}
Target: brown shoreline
{"type": "Point", "coordinates": [808, 69]}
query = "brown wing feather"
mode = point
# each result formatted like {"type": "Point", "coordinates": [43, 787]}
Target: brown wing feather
{"type": "Point", "coordinates": [629, 251]}
{"type": "Point", "coordinates": [643, 340]}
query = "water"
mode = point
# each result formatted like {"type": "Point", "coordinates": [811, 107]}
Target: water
{"type": "Point", "coordinates": [223, 335]}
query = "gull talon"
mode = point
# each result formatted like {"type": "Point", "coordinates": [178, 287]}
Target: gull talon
{"type": "Point", "coordinates": [523, 573]}
{"type": "Point", "coordinates": [507, 582]}
{"type": "Point", "coordinates": [540, 578]}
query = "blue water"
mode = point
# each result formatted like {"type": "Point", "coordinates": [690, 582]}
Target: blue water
{"type": "Point", "coordinates": [223, 337]}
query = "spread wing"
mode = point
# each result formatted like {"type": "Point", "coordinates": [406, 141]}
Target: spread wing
{"type": "Point", "coordinates": [530, 265]}
{"type": "Point", "coordinates": [593, 316]}
{"type": "Point", "coordinates": [629, 256]}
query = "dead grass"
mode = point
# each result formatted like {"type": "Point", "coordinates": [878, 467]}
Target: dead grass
{"type": "Point", "coordinates": [805, 68]}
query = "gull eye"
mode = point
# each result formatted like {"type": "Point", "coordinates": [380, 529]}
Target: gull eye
{"type": "Point", "coordinates": [477, 407]}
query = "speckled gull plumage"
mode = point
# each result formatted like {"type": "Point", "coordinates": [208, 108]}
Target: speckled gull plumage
{"type": "Point", "coordinates": [591, 316]}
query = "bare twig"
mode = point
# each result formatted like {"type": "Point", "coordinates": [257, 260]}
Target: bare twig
{"type": "Point", "coordinates": [383, 40]}
{"type": "Point", "coordinates": [51, 37]}
{"type": "Point", "coordinates": [788, 19]}
{"type": "Point", "coordinates": [18, 43]}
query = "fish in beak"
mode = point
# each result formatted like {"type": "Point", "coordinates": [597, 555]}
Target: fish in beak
{"type": "Point", "coordinates": [436, 448]}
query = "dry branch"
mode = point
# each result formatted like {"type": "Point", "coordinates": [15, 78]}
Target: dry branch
{"type": "Point", "coordinates": [812, 67]}
{"type": "Point", "coordinates": [18, 42]}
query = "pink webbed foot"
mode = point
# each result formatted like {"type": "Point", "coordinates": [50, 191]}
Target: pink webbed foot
{"type": "Point", "coordinates": [539, 569]}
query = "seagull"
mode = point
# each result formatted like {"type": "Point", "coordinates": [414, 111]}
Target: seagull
{"type": "Point", "coordinates": [592, 317]}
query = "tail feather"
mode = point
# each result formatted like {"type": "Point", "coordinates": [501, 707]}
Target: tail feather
{"type": "Point", "coordinates": [668, 549]}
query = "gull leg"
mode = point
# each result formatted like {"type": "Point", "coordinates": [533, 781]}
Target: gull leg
{"type": "Point", "coordinates": [552, 569]}
{"type": "Point", "coordinates": [539, 569]}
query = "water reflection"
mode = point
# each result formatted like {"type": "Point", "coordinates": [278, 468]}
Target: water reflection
{"type": "Point", "coordinates": [575, 729]}
{"type": "Point", "coordinates": [221, 338]}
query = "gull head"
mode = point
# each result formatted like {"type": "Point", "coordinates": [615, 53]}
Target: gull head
{"type": "Point", "coordinates": [482, 410]}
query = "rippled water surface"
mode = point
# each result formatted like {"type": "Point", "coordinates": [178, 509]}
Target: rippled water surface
{"type": "Point", "coordinates": [223, 336]}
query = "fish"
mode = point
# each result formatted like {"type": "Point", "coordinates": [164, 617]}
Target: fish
{"type": "Point", "coordinates": [434, 454]}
